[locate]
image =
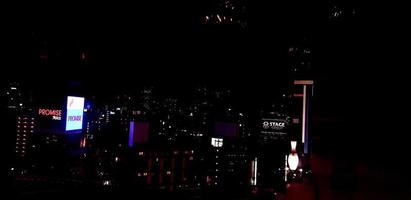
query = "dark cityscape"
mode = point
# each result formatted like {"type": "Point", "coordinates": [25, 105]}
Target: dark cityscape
{"type": "Point", "coordinates": [207, 99]}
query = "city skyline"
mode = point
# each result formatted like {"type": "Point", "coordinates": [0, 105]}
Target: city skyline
{"type": "Point", "coordinates": [239, 99]}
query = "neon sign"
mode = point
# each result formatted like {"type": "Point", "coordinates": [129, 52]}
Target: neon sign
{"type": "Point", "coordinates": [56, 114]}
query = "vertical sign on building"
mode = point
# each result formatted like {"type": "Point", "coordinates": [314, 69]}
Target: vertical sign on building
{"type": "Point", "coordinates": [75, 109]}
{"type": "Point", "coordinates": [138, 133]}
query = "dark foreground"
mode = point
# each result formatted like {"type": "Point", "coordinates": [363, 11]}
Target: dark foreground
{"type": "Point", "coordinates": [331, 180]}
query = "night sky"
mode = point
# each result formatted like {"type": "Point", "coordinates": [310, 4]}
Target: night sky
{"type": "Point", "coordinates": [166, 44]}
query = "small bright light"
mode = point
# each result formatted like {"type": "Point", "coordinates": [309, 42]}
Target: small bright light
{"type": "Point", "coordinates": [116, 159]}
{"type": "Point", "coordinates": [219, 18]}
{"type": "Point", "coordinates": [12, 169]}
{"type": "Point", "coordinates": [107, 182]}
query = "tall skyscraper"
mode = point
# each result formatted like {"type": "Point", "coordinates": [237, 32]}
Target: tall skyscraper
{"type": "Point", "coordinates": [300, 58]}
{"type": "Point", "coordinates": [25, 129]}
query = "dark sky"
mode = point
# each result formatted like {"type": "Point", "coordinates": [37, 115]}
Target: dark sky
{"type": "Point", "coordinates": [165, 43]}
{"type": "Point", "coordinates": [359, 82]}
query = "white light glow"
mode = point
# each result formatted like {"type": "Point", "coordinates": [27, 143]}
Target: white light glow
{"type": "Point", "coordinates": [217, 142]}
{"type": "Point", "coordinates": [293, 161]}
{"type": "Point", "coordinates": [304, 114]}
{"type": "Point", "coordinates": [254, 169]}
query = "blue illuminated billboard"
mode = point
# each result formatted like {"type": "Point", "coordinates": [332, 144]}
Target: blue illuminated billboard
{"type": "Point", "coordinates": [75, 108]}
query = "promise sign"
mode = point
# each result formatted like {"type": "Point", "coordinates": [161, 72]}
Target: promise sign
{"type": "Point", "coordinates": [55, 114]}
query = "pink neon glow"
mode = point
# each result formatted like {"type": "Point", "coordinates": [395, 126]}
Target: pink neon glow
{"type": "Point", "coordinates": [293, 146]}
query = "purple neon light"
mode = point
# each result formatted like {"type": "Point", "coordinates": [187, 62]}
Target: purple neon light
{"type": "Point", "coordinates": [131, 135]}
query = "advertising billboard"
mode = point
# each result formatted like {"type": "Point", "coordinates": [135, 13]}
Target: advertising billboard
{"type": "Point", "coordinates": [274, 128]}
{"type": "Point", "coordinates": [75, 109]}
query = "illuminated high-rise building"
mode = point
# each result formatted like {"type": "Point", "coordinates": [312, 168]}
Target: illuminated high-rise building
{"type": "Point", "coordinates": [25, 129]}
{"type": "Point", "coordinates": [300, 59]}
{"type": "Point", "coordinates": [14, 97]}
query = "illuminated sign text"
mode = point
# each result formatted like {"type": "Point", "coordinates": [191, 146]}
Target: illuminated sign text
{"type": "Point", "coordinates": [56, 114]}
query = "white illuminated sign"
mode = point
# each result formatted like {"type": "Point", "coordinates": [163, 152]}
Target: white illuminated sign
{"type": "Point", "coordinates": [273, 125]}
{"type": "Point", "coordinates": [217, 142]}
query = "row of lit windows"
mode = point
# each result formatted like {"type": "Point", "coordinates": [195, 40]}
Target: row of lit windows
{"type": "Point", "coordinates": [24, 131]}
{"type": "Point", "coordinates": [18, 126]}
{"type": "Point", "coordinates": [24, 122]}
{"type": "Point", "coordinates": [24, 118]}
{"type": "Point", "coordinates": [168, 172]}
